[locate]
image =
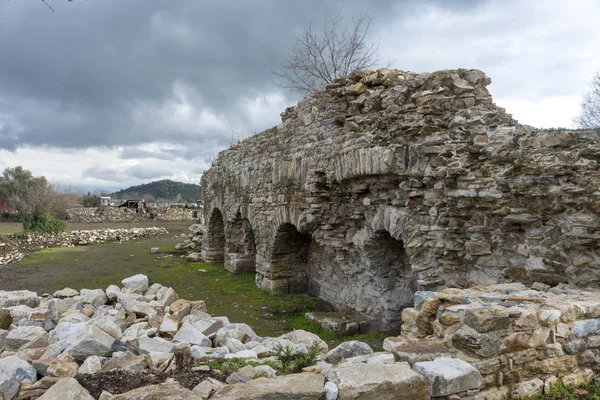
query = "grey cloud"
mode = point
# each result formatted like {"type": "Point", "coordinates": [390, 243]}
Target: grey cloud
{"type": "Point", "coordinates": [7, 139]}
{"type": "Point", "coordinates": [146, 172]}
{"type": "Point", "coordinates": [80, 74]}
{"type": "Point", "coordinates": [104, 173]}
{"type": "Point", "coordinates": [139, 171]}
{"type": "Point", "coordinates": [132, 153]}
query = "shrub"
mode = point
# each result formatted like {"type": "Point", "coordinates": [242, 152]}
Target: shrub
{"type": "Point", "coordinates": [44, 223]}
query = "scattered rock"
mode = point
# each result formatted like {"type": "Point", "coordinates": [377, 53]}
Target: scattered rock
{"type": "Point", "coordinates": [66, 389]}
{"type": "Point", "coordinates": [349, 349]}
{"type": "Point", "coordinates": [300, 386]}
{"type": "Point", "coordinates": [446, 376]}
{"type": "Point", "coordinates": [378, 381]}
{"type": "Point", "coordinates": [138, 283]}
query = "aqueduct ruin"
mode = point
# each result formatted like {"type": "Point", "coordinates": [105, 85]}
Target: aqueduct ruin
{"type": "Point", "coordinates": [390, 182]}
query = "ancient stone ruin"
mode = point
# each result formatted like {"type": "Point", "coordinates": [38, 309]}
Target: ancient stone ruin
{"type": "Point", "coordinates": [391, 182]}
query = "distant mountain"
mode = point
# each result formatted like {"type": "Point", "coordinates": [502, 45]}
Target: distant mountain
{"type": "Point", "coordinates": [165, 190]}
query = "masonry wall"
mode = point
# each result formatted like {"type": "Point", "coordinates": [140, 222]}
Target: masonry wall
{"type": "Point", "coordinates": [115, 214]}
{"type": "Point", "coordinates": [398, 182]}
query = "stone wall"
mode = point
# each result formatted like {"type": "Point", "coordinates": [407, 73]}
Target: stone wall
{"type": "Point", "coordinates": [520, 340]}
{"type": "Point", "coordinates": [122, 214]}
{"type": "Point", "coordinates": [390, 182]}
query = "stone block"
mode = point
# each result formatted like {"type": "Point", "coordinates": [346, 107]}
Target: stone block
{"type": "Point", "coordinates": [378, 381]}
{"type": "Point", "coordinates": [446, 376]}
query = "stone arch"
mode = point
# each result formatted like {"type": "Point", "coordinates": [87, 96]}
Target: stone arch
{"type": "Point", "coordinates": [289, 256]}
{"type": "Point", "coordinates": [215, 237]}
{"type": "Point", "coordinates": [240, 254]}
{"type": "Point", "coordinates": [389, 283]}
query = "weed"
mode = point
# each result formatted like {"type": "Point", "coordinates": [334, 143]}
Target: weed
{"type": "Point", "coordinates": [294, 363]}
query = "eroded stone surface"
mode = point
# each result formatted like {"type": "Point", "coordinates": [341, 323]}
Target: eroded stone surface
{"type": "Point", "coordinates": [391, 182]}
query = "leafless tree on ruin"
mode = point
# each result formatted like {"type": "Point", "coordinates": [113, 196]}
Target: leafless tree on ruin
{"type": "Point", "coordinates": [320, 57]}
{"type": "Point", "coordinates": [590, 107]}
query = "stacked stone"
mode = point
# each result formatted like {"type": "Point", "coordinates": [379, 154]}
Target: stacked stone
{"type": "Point", "coordinates": [195, 239]}
{"type": "Point", "coordinates": [13, 246]}
{"type": "Point", "coordinates": [115, 214]}
{"type": "Point", "coordinates": [521, 340]}
{"type": "Point", "coordinates": [470, 195]}
{"type": "Point", "coordinates": [46, 342]}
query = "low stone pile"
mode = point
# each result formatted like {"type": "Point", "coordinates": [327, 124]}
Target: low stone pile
{"type": "Point", "coordinates": [520, 340]}
{"type": "Point", "coordinates": [194, 242]}
{"type": "Point", "coordinates": [180, 212]}
{"type": "Point", "coordinates": [12, 247]}
{"type": "Point", "coordinates": [71, 344]}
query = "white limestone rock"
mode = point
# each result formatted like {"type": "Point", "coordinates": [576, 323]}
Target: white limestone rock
{"type": "Point", "coordinates": [91, 341]}
{"type": "Point", "coordinates": [242, 354]}
{"type": "Point", "coordinates": [305, 386]}
{"type": "Point", "coordinates": [14, 367]}
{"type": "Point", "coordinates": [235, 345]}
{"type": "Point", "coordinates": [65, 293]}
{"type": "Point", "coordinates": [95, 297]}
{"type": "Point", "coordinates": [18, 298]}
{"type": "Point", "coordinates": [331, 391]}
{"type": "Point", "coordinates": [349, 349]}
{"type": "Point", "coordinates": [378, 381]}
{"type": "Point", "coordinates": [23, 335]}
{"type": "Point", "coordinates": [9, 387]}
{"type": "Point", "coordinates": [112, 292]}
{"type": "Point", "coordinates": [446, 376]}
{"type": "Point", "coordinates": [155, 345]}
{"type": "Point", "coordinates": [226, 332]}
{"type": "Point", "coordinates": [189, 334]}
{"type": "Point", "coordinates": [92, 365]}
{"type": "Point", "coordinates": [66, 389]}
{"type": "Point", "coordinates": [300, 336]}
{"type": "Point", "coordinates": [138, 282]}
{"type": "Point", "coordinates": [68, 330]}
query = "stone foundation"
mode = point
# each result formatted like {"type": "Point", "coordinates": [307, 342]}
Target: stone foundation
{"type": "Point", "coordinates": [520, 340]}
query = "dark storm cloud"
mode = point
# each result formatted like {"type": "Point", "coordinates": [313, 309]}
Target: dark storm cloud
{"type": "Point", "coordinates": [121, 73]}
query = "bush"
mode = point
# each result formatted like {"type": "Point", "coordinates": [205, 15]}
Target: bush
{"type": "Point", "coordinates": [44, 223]}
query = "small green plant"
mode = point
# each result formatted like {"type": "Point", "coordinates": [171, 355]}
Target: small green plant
{"type": "Point", "coordinates": [294, 363]}
{"type": "Point", "coordinates": [44, 223]}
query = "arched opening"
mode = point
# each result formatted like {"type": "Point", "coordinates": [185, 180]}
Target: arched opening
{"type": "Point", "coordinates": [390, 282]}
{"type": "Point", "coordinates": [215, 237]}
{"type": "Point", "coordinates": [288, 267]}
{"type": "Point", "coordinates": [240, 256]}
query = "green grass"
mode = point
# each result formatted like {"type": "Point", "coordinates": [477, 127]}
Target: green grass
{"type": "Point", "coordinates": [98, 266]}
{"type": "Point", "coordinates": [234, 296]}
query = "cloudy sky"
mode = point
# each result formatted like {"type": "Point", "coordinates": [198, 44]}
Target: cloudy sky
{"type": "Point", "coordinates": [111, 93]}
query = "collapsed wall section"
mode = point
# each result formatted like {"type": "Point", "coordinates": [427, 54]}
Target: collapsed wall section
{"type": "Point", "coordinates": [424, 167]}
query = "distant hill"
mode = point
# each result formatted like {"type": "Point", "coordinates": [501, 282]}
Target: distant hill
{"type": "Point", "coordinates": [165, 190]}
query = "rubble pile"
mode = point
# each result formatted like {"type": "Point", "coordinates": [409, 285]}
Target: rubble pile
{"type": "Point", "coordinates": [13, 247]}
{"type": "Point", "coordinates": [67, 344]}
{"type": "Point", "coordinates": [521, 340]}
{"type": "Point", "coordinates": [194, 242]}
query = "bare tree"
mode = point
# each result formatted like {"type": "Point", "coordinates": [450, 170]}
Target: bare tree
{"type": "Point", "coordinates": [590, 107]}
{"type": "Point", "coordinates": [320, 57]}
